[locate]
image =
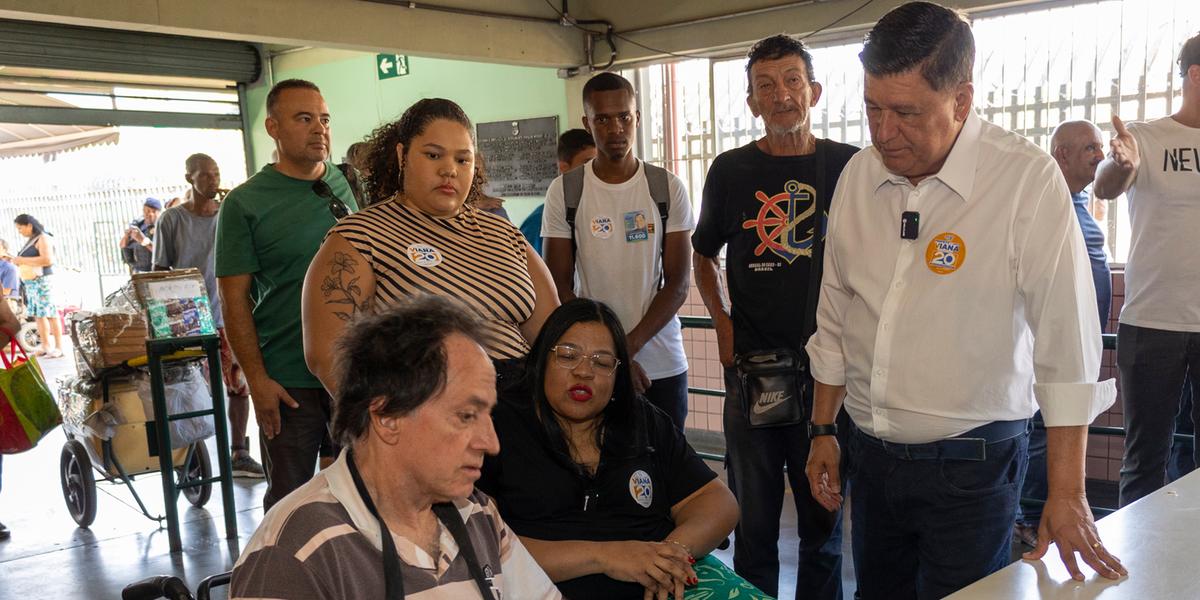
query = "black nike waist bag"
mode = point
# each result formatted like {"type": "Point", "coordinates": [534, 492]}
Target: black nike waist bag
{"type": "Point", "coordinates": [773, 385]}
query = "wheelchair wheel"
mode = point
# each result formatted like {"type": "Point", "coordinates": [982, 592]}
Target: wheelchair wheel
{"type": "Point", "coordinates": [78, 483]}
{"type": "Point", "coordinates": [197, 468]}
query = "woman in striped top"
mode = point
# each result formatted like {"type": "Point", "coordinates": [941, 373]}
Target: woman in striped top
{"type": "Point", "coordinates": [422, 236]}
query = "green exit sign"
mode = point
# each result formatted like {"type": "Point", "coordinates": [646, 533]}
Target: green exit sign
{"type": "Point", "coordinates": [388, 66]}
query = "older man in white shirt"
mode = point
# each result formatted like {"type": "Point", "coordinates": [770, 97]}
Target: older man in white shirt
{"type": "Point", "coordinates": [956, 291]}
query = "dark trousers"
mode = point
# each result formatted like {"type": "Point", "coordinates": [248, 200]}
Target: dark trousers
{"type": "Point", "coordinates": [1036, 485]}
{"type": "Point", "coordinates": [290, 459]}
{"type": "Point", "coordinates": [670, 394]}
{"type": "Point", "coordinates": [1102, 277]}
{"type": "Point", "coordinates": [1154, 365]}
{"type": "Point", "coordinates": [1182, 460]}
{"type": "Point", "coordinates": [927, 528]}
{"type": "Point", "coordinates": [756, 461]}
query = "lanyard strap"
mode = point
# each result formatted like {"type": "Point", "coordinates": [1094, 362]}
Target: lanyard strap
{"type": "Point", "coordinates": [393, 577]}
{"type": "Point", "coordinates": [817, 258]}
{"type": "Point", "coordinates": [449, 517]}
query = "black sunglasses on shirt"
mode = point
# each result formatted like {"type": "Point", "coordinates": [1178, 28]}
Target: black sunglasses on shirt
{"type": "Point", "coordinates": [337, 208]}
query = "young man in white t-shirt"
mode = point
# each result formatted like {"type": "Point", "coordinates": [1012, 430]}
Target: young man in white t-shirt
{"type": "Point", "coordinates": [615, 253]}
{"type": "Point", "coordinates": [1158, 164]}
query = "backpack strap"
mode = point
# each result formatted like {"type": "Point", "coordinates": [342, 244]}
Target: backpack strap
{"type": "Point", "coordinates": [572, 182]}
{"type": "Point", "coordinates": [660, 191]}
{"type": "Point", "coordinates": [352, 180]}
{"type": "Point", "coordinates": [659, 182]}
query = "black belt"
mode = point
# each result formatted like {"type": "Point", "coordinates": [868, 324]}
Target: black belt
{"type": "Point", "coordinates": [971, 445]}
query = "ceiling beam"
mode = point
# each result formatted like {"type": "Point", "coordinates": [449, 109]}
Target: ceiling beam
{"type": "Point", "coordinates": [360, 25]}
{"type": "Point", "coordinates": [50, 115]}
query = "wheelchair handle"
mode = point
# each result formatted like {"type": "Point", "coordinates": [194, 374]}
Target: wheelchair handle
{"type": "Point", "coordinates": [203, 592]}
{"type": "Point", "coordinates": [162, 586]}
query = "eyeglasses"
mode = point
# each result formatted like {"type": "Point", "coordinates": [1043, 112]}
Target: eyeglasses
{"type": "Point", "coordinates": [569, 356]}
{"type": "Point", "coordinates": [337, 208]}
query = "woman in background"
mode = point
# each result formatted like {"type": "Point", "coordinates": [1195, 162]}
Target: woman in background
{"type": "Point", "coordinates": [35, 262]}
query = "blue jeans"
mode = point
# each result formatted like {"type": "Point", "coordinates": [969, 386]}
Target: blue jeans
{"type": "Point", "coordinates": [670, 394]}
{"type": "Point", "coordinates": [755, 461]}
{"type": "Point", "coordinates": [1154, 365]}
{"type": "Point", "coordinates": [925, 528]}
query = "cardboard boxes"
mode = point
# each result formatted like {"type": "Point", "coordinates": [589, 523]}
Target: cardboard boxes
{"type": "Point", "coordinates": [106, 339]}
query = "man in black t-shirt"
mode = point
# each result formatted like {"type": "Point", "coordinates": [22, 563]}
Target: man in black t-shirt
{"type": "Point", "coordinates": [767, 203]}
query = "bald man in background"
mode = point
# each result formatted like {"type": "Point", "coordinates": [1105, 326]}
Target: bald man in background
{"type": "Point", "coordinates": [1078, 148]}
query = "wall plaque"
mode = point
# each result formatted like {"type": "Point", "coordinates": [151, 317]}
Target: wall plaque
{"type": "Point", "coordinates": [521, 155]}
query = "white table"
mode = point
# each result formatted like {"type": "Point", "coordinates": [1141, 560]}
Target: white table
{"type": "Point", "coordinates": [1157, 538]}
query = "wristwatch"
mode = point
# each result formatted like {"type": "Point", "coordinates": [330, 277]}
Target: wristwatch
{"type": "Point", "coordinates": [815, 430]}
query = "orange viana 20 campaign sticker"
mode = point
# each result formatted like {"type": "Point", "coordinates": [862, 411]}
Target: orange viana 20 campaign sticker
{"type": "Point", "coordinates": [945, 254]}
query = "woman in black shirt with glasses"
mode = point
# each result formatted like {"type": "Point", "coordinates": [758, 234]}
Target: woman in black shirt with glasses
{"type": "Point", "coordinates": [602, 489]}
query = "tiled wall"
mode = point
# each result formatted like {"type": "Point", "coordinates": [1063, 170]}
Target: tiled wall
{"type": "Point", "coordinates": [705, 412]}
{"type": "Point", "coordinates": [704, 369]}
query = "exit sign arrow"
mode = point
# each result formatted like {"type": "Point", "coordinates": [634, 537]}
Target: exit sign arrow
{"type": "Point", "coordinates": [390, 65]}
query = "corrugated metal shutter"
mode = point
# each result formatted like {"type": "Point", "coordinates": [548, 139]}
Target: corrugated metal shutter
{"type": "Point", "coordinates": [48, 45]}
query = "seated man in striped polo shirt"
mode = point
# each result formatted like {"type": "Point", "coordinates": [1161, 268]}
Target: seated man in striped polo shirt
{"type": "Point", "coordinates": [397, 516]}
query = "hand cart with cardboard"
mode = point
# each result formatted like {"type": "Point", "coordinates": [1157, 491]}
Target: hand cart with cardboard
{"type": "Point", "coordinates": [110, 432]}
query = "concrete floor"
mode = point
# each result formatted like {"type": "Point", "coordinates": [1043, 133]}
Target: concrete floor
{"type": "Point", "coordinates": [48, 556]}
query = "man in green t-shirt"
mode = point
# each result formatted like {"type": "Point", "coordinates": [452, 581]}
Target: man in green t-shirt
{"type": "Point", "coordinates": [268, 230]}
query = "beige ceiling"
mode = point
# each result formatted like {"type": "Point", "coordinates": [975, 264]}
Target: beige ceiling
{"type": "Point", "coordinates": [530, 35]}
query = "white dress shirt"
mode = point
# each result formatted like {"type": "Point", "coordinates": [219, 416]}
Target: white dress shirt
{"type": "Point", "coordinates": [990, 307]}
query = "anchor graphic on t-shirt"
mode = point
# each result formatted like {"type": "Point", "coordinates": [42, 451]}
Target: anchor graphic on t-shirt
{"type": "Point", "coordinates": [778, 219]}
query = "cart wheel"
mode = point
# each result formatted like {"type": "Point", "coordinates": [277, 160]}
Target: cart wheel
{"type": "Point", "coordinates": [78, 483]}
{"type": "Point", "coordinates": [197, 468]}
{"type": "Point", "coordinates": [29, 336]}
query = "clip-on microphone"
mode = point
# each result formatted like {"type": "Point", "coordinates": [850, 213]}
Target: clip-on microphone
{"type": "Point", "coordinates": [910, 225]}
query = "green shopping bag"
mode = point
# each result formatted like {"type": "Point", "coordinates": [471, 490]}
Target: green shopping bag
{"type": "Point", "coordinates": [27, 407]}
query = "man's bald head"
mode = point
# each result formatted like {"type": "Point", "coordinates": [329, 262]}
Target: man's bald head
{"type": "Point", "coordinates": [1078, 148]}
{"type": "Point", "coordinates": [1069, 132]}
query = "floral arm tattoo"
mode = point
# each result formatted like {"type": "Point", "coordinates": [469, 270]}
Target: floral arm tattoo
{"type": "Point", "coordinates": [341, 287]}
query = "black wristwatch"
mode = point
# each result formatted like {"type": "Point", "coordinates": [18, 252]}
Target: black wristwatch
{"type": "Point", "coordinates": [815, 430]}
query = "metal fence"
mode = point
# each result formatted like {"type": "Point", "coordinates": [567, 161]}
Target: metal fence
{"type": "Point", "coordinates": [86, 226]}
